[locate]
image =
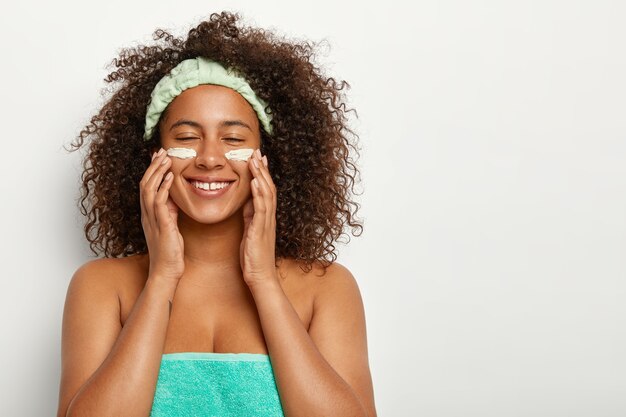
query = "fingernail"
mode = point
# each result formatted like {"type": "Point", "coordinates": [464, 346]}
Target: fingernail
{"type": "Point", "coordinates": [164, 161]}
{"type": "Point", "coordinates": [154, 155]}
{"type": "Point", "coordinates": [265, 160]}
{"type": "Point", "coordinates": [258, 153]}
{"type": "Point", "coordinates": [161, 151]}
{"type": "Point", "coordinates": [255, 162]}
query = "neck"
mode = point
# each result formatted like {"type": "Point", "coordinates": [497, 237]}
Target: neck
{"type": "Point", "coordinates": [212, 251]}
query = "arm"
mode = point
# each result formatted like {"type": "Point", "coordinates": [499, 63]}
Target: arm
{"type": "Point", "coordinates": [107, 370]}
{"type": "Point", "coordinates": [324, 372]}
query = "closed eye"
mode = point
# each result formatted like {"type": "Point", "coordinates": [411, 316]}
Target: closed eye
{"type": "Point", "coordinates": [235, 139]}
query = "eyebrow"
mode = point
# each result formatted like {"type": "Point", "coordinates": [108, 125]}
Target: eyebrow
{"type": "Point", "coordinates": [223, 123]}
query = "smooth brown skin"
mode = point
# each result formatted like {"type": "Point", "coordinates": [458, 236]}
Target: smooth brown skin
{"type": "Point", "coordinates": [117, 323]}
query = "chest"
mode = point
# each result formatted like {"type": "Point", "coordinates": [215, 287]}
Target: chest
{"type": "Point", "coordinates": [226, 321]}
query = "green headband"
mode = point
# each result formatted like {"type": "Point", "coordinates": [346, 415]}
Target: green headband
{"type": "Point", "coordinates": [191, 73]}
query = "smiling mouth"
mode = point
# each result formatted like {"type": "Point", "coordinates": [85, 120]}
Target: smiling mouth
{"type": "Point", "coordinates": [216, 186]}
{"type": "Point", "coordinates": [222, 188]}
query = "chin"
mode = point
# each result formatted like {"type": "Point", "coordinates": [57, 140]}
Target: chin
{"type": "Point", "coordinates": [209, 216]}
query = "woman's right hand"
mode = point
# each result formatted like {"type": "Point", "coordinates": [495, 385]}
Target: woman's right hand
{"type": "Point", "coordinates": [159, 215]}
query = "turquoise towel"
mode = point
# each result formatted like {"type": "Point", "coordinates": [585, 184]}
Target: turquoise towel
{"type": "Point", "coordinates": [216, 385]}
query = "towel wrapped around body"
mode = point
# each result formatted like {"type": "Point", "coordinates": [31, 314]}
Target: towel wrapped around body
{"type": "Point", "coordinates": [216, 385]}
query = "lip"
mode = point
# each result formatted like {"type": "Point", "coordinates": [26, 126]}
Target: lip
{"type": "Point", "coordinates": [209, 179]}
{"type": "Point", "coordinates": [208, 193]}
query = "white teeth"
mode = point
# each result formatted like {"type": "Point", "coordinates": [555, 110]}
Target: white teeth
{"type": "Point", "coordinates": [210, 186]}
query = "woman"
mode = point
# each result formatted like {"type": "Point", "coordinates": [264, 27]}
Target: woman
{"type": "Point", "coordinates": [215, 295]}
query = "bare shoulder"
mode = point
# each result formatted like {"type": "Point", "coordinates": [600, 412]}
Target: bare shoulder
{"type": "Point", "coordinates": [320, 287]}
{"type": "Point", "coordinates": [314, 275]}
{"type": "Point", "coordinates": [323, 281]}
{"type": "Point", "coordinates": [110, 276]}
{"type": "Point", "coordinates": [112, 265]}
{"type": "Point", "coordinates": [338, 289]}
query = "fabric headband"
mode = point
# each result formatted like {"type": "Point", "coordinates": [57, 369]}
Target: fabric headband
{"type": "Point", "coordinates": [191, 73]}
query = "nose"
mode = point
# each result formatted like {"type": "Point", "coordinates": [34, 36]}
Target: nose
{"type": "Point", "coordinates": [210, 154]}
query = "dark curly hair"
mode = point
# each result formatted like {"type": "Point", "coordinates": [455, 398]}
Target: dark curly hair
{"type": "Point", "coordinates": [308, 151]}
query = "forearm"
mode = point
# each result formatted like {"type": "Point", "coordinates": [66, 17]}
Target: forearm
{"type": "Point", "coordinates": [126, 381]}
{"type": "Point", "coordinates": [307, 384]}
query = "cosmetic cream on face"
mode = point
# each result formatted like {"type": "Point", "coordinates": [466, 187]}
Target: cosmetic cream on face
{"type": "Point", "coordinates": [240, 154]}
{"type": "Point", "coordinates": [182, 153]}
{"type": "Point", "coordinates": [234, 155]}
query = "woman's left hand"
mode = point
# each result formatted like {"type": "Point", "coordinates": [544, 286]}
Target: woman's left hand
{"type": "Point", "coordinates": [257, 254]}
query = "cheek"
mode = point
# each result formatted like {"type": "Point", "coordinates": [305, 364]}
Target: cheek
{"type": "Point", "coordinates": [178, 165]}
{"type": "Point", "coordinates": [241, 168]}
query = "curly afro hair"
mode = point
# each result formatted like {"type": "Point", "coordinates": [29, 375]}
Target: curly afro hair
{"type": "Point", "coordinates": [308, 150]}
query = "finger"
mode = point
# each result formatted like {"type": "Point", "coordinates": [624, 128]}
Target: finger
{"type": "Point", "coordinates": [144, 213]}
{"type": "Point", "coordinates": [142, 184]}
{"type": "Point", "coordinates": [153, 183]}
{"type": "Point", "coordinates": [155, 172]}
{"type": "Point", "coordinates": [154, 164]}
{"type": "Point", "coordinates": [171, 206]}
{"type": "Point", "coordinates": [256, 168]}
{"type": "Point", "coordinates": [160, 202]}
{"type": "Point", "coordinates": [266, 174]}
{"type": "Point", "coordinates": [146, 188]}
{"type": "Point", "coordinates": [248, 210]}
{"type": "Point", "coordinates": [265, 190]}
{"type": "Point", "coordinates": [264, 171]}
{"type": "Point", "coordinates": [260, 208]}
{"type": "Point", "coordinates": [151, 189]}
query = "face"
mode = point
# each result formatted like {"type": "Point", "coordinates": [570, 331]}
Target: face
{"type": "Point", "coordinates": [211, 120]}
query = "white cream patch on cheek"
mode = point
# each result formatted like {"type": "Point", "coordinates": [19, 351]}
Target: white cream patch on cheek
{"type": "Point", "coordinates": [235, 155]}
{"type": "Point", "coordinates": [239, 154]}
{"type": "Point", "coordinates": [182, 153]}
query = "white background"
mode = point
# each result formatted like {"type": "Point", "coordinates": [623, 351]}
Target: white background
{"type": "Point", "coordinates": [493, 141]}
